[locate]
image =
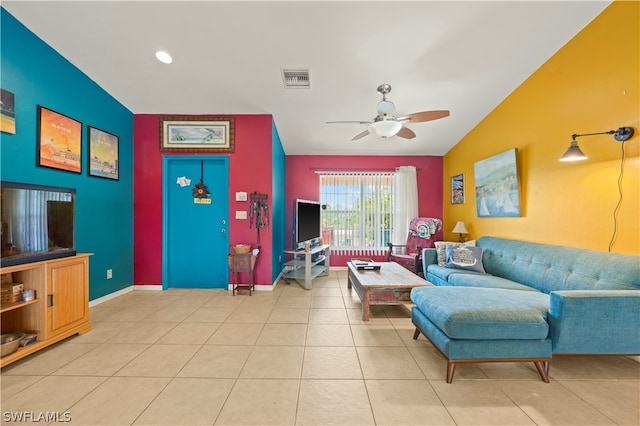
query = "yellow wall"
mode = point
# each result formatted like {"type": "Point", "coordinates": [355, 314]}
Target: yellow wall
{"type": "Point", "coordinates": [590, 85]}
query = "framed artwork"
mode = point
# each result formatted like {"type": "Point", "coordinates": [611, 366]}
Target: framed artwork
{"type": "Point", "coordinates": [197, 134]}
{"type": "Point", "coordinates": [7, 112]}
{"type": "Point", "coordinates": [457, 189]}
{"type": "Point", "coordinates": [103, 154]}
{"type": "Point", "coordinates": [59, 143]}
{"type": "Point", "coordinates": [497, 188]}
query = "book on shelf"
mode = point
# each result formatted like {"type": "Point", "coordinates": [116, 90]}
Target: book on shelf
{"type": "Point", "coordinates": [365, 264]}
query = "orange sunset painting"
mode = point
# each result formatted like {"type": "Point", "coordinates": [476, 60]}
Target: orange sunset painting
{"type": "Point", "coordinates": [60, 141]}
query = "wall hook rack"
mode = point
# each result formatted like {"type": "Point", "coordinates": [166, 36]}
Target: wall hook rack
{"type": "Point", "coordinates": [258, 212]}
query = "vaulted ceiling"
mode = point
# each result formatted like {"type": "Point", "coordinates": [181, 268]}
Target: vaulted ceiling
{"type": "Point", "coordinates": [228, 57]}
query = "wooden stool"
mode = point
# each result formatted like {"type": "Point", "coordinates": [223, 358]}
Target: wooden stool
{"type": "Point", "coordinates": [240, 263]}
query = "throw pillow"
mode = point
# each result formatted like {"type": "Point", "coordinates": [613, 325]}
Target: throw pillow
{"type": "Point", "coordinates": [441, 253]}
{"type": "Point", "coordinates": [462, 257]}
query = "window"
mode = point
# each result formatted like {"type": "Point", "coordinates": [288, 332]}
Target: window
{"type": "Point", "coordinates": [357, 213]}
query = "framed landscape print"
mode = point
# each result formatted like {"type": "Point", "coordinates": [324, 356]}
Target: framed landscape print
{"type": "Point", "coordinates": [197, 134]}
{"type": "Point", "coordinates": [497, 188]}
{"type": "Point", "coordinates": [59, 143]}
{"type": "Point", "coordinates": [457, 189]}
{"type": "Point", "coordinates": [103, 154]}
{"type": "Point", "coordinates": [7, 112]}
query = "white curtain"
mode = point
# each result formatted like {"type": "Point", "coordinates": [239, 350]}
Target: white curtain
{"type": "Point", "coordinates": [406, 202]}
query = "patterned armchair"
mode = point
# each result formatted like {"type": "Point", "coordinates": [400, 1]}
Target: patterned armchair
{"type": "Point", "coordinates": [420, 231]}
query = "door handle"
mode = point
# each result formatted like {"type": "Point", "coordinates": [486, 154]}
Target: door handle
{"type": "Point", "coordinates": [222, 231]}
{"type": "Point", "coordinates": [223, 222]}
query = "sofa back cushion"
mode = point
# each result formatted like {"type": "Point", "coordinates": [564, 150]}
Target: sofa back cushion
{"type": "Point", "coordinates": [441, 249]}
{"type": "Point", "coordinates": [462, 257]}
{"type": "Point", "coordinates": [548, 267]}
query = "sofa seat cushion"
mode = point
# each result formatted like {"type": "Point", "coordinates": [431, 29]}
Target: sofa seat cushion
{"type": "Point", "coordinates": [488, 281]}
{"type": "Point", "coordinates": [484, 313]}
{"type": "Point", "coordinates": [445, 273]}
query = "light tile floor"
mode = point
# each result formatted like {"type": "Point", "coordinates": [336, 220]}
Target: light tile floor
{"type": "Point", "coordinates": [294, 356]}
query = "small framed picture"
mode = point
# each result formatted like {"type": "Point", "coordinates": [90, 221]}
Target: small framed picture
{"type": "Point", "coordinates": [457, 189]}
{"type": "Point", "coordinates": [7, 112]}
{"type": "Point", "coordinates": [103, 154]}
{"type": "Point", "coordinates": [59, 143]}
{"type": "Point", "coordinates": [194, 133]}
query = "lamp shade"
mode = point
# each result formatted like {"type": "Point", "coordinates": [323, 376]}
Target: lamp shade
{"type": "Point", "coordinates": [386, 128]}
{"type": "Point", "coordinates": [460, 228]}
{"type": "Point", "coordinates": [574, 153]}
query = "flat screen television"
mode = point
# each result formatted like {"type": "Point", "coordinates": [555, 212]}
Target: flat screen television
{"type": "Point", "coordinates": [38, 222]}
{"type": "Point", "coordinates": [307, 222]}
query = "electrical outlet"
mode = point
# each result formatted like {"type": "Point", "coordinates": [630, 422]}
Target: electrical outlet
{"type": "Point", "coordinates": [109, 274]}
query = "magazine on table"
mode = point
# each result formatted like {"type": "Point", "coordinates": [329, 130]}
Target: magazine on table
{"type": "Point", "coordinates": [365, 264]}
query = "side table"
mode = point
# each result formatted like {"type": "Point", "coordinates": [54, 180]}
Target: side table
{"type": "Point", "coordinates": [241, 263]}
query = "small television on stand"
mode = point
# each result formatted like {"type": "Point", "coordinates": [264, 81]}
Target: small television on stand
{"type": "Point", "coordinates": [38, 223]}
{"type": "Point", "coordinates": [307, 223]}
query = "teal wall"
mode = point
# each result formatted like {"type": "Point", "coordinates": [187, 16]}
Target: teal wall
{"type": "Point", "coordinates": [38, 75]}
{"type": "Point", "coordinates": [279, 176]}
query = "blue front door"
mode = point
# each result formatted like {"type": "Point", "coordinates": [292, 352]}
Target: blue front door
{"type": "Point", "coordinates": [195, 235]}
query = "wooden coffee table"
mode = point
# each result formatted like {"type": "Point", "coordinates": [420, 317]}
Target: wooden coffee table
{"type": "Point", "coordinates": [391, 285]}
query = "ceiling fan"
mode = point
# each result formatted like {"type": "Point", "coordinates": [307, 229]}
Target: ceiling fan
{"type": "Point", "coordinates": [385, 124]}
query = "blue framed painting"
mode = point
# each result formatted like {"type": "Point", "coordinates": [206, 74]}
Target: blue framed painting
{"type": "Point", "coordinates": [497, 187]}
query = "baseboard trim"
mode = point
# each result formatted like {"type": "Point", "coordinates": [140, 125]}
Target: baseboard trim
{"type": "Point", "coordinates": [153, 287]}
{"type": "Point", "coordinates": [110, 296]}
{"type": "Point", "coordinates": [147, 287]}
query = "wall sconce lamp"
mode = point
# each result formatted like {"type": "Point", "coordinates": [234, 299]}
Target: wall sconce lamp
{"type": "Point", "coordinates": [460, 228]}
{"type": "Point", "coordinates": [574, 153]}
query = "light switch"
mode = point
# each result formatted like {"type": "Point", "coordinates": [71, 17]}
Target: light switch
{"type": "Point", "coordinates": [241, 196]}
{"type": "Point", "coordinates": [241, 214]}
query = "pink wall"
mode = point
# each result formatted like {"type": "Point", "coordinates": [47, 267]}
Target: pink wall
{"type": "Point", "coordinates": [249, 171]}
{"type": "Point", "coordinates": [303, 182]}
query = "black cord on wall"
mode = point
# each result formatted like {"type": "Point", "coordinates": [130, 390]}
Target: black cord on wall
{"type": "Point", "coordinates": [617, 209]}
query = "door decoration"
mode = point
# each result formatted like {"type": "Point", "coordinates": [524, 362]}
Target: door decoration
{"type": "Point", "coordinates": [258, 212]}
{"type": "Point", "coordinates": [201, 194]}
{"type": "Point", "coordinates": [183, 181]}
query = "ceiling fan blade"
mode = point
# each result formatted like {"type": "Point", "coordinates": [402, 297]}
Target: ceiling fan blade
{"type": "Point", "coordinates": [406, 133]}
{"type": "Point", "coordinates": [360, 135]}
{"type": "Point", "coordinates": [424, 116]}
{"type": "Point", "coordinates": [356, 122]}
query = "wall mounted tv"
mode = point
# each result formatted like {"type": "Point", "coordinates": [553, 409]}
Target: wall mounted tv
{"type": "Point", "coordinates": [307, 222]}
{"type": "Point", "coordinates": [38, 222]}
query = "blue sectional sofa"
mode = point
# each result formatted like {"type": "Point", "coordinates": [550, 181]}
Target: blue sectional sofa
{"type": "Point", "coordinates": [531, 302]}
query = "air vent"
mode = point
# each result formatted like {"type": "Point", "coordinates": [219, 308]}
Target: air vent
{"type": "Point", "coordinates": [296, 79]}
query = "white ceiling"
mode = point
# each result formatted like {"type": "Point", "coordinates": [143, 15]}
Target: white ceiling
{"type": "Point", "coordinates": [465, 57]}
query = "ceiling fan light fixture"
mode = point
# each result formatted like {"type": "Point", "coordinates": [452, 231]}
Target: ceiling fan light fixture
{"type": "Point", "coordinates": [386, 108]}
{"type": "Point", "coordinates": [385, 128]}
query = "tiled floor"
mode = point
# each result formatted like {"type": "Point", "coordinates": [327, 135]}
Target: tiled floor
{"type": "Point", "coordinates": [294, 356]}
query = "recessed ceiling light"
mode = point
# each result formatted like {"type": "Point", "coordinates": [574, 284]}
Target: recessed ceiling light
{"type": "Point", "coordinates": [164, 57]}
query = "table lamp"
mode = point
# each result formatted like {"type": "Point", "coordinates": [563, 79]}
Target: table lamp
{"type": "Point", "coordinates": [460, 228]}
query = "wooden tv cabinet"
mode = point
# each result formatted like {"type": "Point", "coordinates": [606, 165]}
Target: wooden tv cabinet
{"type": "Point", "coordinates": [60, 308]}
